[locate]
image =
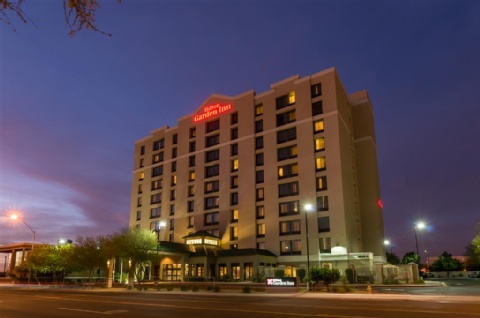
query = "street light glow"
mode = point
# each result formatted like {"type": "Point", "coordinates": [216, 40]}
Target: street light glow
{"type": "Point", "coordinates": [420, 225]}
{"type": "Point", "coordinates": [386, 242]}
{"type": "Point", "coordinates": [308, 207]}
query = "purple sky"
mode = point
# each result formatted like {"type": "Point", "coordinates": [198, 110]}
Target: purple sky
{"type": "Point", "coordinates": [72, 108]}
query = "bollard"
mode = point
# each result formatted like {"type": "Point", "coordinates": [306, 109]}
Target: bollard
{"type": "Point", "coordinates": [369, 289]}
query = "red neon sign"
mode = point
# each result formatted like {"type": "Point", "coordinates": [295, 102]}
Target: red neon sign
{"type": "Point", "coordinates": [212, 111]}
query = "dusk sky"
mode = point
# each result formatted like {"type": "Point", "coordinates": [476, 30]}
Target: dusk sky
{"type": "Point", "coordinates": [72, 107]}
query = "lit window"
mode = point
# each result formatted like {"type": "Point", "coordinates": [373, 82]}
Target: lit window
{"type": "Point", "coordinates": [260, 212]}
{"type": "Point", "coordinates": [322, 183]}
{"type": "Point", "coordinates": [318, 126]}
{"type": "Point", "coordinates": [261, 230]}
{"type": "Point", "coordinates": [234, 216]}
{"type": "Point", "coordinates": [319, 144]}
{"type": "Point", "coordinates": [141, 175]}
{"type": "Point", "coordinates": [316, 90]}
{"type": "Point", "coordinates": [235, 165]}
{"type": "Point", "coordinates": [258, 110]}
{"type": "Point", "coordinates": [191, 176]}
{"type": "Point", "coordinates": [320, 163]}
{"type": "Point", "coordinates": [234, 233]}
{"type": "Point", "coordinates": [260, 194]}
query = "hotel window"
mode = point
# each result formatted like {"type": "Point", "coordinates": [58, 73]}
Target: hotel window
{"type": "Point", "coordinates": [259, 126]}
{"type": "Point", "coordinates": [212, 171]}
{"type": "Point", "coordinates": [234, 118]}
{"type": "Point", "coordinates": [212, 155]}
{"type": "Point", "coordinates": [174, 153]}
{"type": "Point", "coordinates": [170, 236]}
{"type": "Point", "coordinates": [325, 245]}
{"type": "Point", "coordinates": [139, 215]}
{"type": "Point", "coordinates": [211, 218]}
{"type": "Point", "coordinates": [319, 144]}
{"type": "Point", "coordinates": [155, 226]}
{"type": "Point", "coordinates": [260, 212]}
{"type": "Point", "coordinates": [192, 146]}
{"type": "Point", "coordinates": [212, 126]}
{"type": "Point", "coordinates": [234, 216]}
{"type": "Point", "coordinates": [191, 161]}
{"type": "Point", "coordinates": [233, 233]}
{"type": "Point", "coordinates": [211, 202]}
{"type": "Point", "coordinates": [141, 175]}
{"type": "Point", "coordinates": [175, 139]}
{"type": "Point", "coordinates": [234, 182]}
{"type": "Point", "coordinates": [174, 166]}
{"type": "Point", "coordinates": [318, 126]}
{"type": "Point", "coordinates": [236, 271]}
{"type": "Point", "coordinates": [317, 108]}
{"type": "Point", "coordinates": [259, 176]}
{"type": "Point", "coordinates": [142, 163]}
{"type": "Point", "coordinates": [139, 201]}
{"type": "Point", "coordinates": [172, 209]}
{"type": "Point", "coordinates": [320, 164]}
{"type": "Point", "coordinates": [159, 144]}
{"type": "Point", "coordinates": [212, 186]}
{"type": "Point", "coordinates": [172, 227]}
{"type": "Point", "coordinates": [259, 142]}
{"type": "Point", "coordinates": [316, 90]}
{"type": "Point", "coordinates": [234, 133]}
{"type": "Point", "coordinates": [191, 190]}
{"type": "Point", "coordinates": [290, 227]}
{"type": "Point", "coordinates": [259, 159]}
{"type": "Point", "coordinates": [191, 175]}
{"type": "Point", "coordinates": [157, 171]}
{"type": "Point", "coordinates": [285, 118]}
{"type": "Point", "coordinates": [191, 221]}
{"type": "Point", "coordinates": [174, 180]}
{"type": "Point", "coordinates": [287, 152]}
{"type": "Point", "coordinates": [258, 109]}
{"type": "Point", "coordinates": [142, 150]}
{"type": "Point", "coordinates": [233, 149]}
{"type": "Point", "coordinates": [234, 198]}
{"type": "Point", "coordinates": [261, 245]}
{"type": "Point", "coordinates": [140, 188]}
{"type": "Point", "coordinates": [190, 206]}
{"type": "Point", "coordinates": [286, 135]}
{"type": "Point", "coordinates": [286, 100]}
{"type": "Point", "coordinates": [172, 194]}
{"type": "Point", "coordinates": [212, 140]}
{"type": "Point", "coordinates": [288, 171]}
{"type": "Point", "coordinates": [322, 203]}
{"type": "Point", "coordinates": [234, 165]}
{"type": "Point", "coordinates": [157, 157]}
{"type": "Point", "coordinates": [155, 212]}
{"type": "Point", "coordinates": [261, 230]}
{"type": "Point", "coordinates": [156, 198]}
{"type": "Point", "coordinates": [260, 194]}
{"type": "Point", "coordinates": [293, 247]}
{"type": "Point", "coordinates": [289, 208]}
{"type": "Point", "coordinates": [323, 224]}
{"type": "Point", "coordinates": [193, 132]}
{"type": "Point", "coordinates": [156, 184]}
{"type": "Point", "coordinates": [248, 271]}
{"type": "Point", "coordinates": [322, 183]}
{"type": "Point", "coordinates": [288, 189]}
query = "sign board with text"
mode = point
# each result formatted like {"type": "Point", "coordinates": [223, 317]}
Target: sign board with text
{"type": "Point", "coordinates": [281, 285]}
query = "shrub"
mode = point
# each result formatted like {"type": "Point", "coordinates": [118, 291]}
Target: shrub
{"type": "Point", "coordinates": [184, 288]}
{"type": "Point", "coordinates": [279, 273]}
{"type": "Point", "coordinates": [301, 274]}
{"type": "Point", "coordinates": [246, 289]}
{"type": "Point", "coordinates": [209, 288]}
{"type": "Point", "coordinates": [259, 278]}
{"type": "Point", "coordinates": [195, 288]}
{"type": "Point", "coordinates": [216, 289]}
{"type": "Point", "coordinates": [169, 287]}
{"type": "Point", "coordinates": [349, 274]}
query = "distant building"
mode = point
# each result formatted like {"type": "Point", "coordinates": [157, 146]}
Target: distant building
{"type": "Point", "coordinates": [243, 169]}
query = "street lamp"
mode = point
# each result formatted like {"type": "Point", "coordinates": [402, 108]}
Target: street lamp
{"type": "Point", "coordinates": [428, 267]}
{"type": "Point", "coordinates": [15, 217]}
{"type": "Point", "coordinates": [388, 243]}
{"type": "Point", "coordinates": [307, 208]}
{"type": "Point", "coordinates": [158, 227]}
{"type": "Point", "coordinates": [420, 226]}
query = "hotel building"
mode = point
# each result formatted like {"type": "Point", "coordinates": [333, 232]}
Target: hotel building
{"type": "Point", "coordinates": [258, 182]}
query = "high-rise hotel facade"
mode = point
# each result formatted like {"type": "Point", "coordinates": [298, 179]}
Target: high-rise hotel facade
{"type": "Point", "coordinates": [270, 180]}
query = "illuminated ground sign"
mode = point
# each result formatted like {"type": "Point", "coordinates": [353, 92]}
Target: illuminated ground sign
{"type": "Point", "coordinates": [212, 111]}
{"type": "Point", "coordinates": [281, 282]}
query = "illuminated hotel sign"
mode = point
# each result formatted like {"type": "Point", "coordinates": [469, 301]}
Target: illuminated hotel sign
{"type": "Point", "coordinates": [281, 282]}
{"type": "Point", "coordinates": [212, 111]}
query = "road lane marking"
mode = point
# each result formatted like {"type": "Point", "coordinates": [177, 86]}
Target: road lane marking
{"type": "Point", "coordinates": [108, 312]}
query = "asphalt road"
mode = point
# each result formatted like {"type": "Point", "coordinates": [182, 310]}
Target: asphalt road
{"type": "Point", "coordinates": [437, 286]}
{"type": "Point", "coordinates": [53, 303]}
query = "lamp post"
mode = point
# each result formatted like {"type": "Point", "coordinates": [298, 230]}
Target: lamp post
{"type": "Point", "coordinates": [158, 227]}
{"type": "Point", "coordinates": [419, 225]}
{"type": "Point", "coordinates": [428, 267]}
{"type": "Point", "coordinates": [15, 217]}
{"type": "Point", "coordinates": [388, 243]}
{"type": "Point", "coordinates": [307, 208]}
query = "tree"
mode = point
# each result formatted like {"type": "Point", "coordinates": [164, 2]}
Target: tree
{"type": "Point", "coordinates": [445, 262]}
{"type": "Point", "coordinates": [328, 276]}
{"type": "Point", "coordinates": [392, 258]}
{"type": "Point", "coordinates": [92, 253]}
{"type": "Point", "coordinates": [473, 259]}
{"type": "Point", "coordinates": [137, 245]}
{"type": "Point", "coordinates": [410, 257]}
{"type": "Point", "coordinates": [79, 14]}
